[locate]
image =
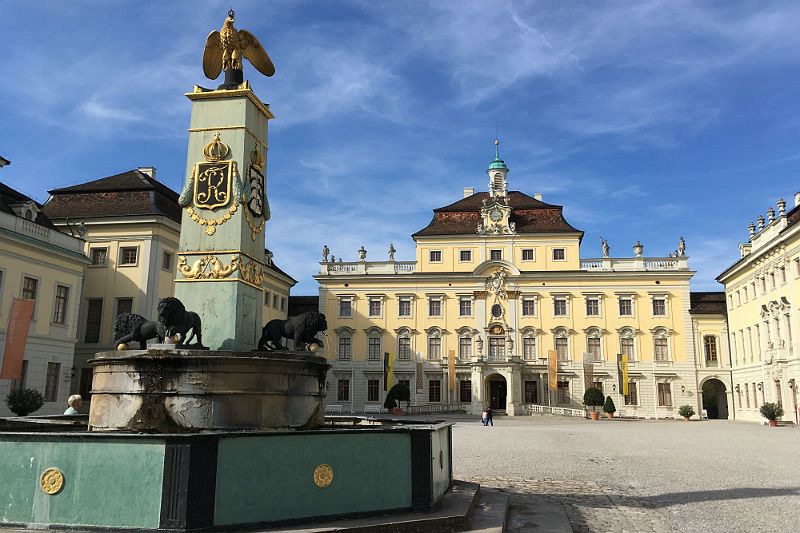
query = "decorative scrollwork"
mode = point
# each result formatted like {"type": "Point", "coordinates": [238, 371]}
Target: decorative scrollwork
{"type": "Point", "coordinates": [323, 475]}
{"type": "Point", "coordinates": [208, 267]}
{"type": "Point", "coordinates": [252, 272]}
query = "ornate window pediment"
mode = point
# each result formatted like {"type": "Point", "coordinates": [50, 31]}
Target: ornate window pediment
{"type": "Point", "coordinates": [345, 331]}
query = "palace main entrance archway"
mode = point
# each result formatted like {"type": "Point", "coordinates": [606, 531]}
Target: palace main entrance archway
{"type": "Point", "coordinates": [497, 388]}
{"type": "Point", "coordinates": [715, 399]}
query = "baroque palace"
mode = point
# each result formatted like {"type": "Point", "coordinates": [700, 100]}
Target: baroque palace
{"type": "Point", "coordinates": [498, 281]}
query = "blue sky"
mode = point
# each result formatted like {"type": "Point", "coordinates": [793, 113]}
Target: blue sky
{"type": "Point", "coordinates": [646, 119]}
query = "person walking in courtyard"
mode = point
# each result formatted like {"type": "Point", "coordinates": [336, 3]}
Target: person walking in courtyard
{"type": "Point", "coordinates": [485, 417]}
{"type": "Point", "coordinates": [489, 416]}
{"type": "Point", "coordinates": [75, 402]}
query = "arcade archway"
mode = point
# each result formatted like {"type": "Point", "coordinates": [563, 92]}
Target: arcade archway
{"type": "Point", "coordinates": [496, 389]}
{"type": "Point", "coordinates": [715, 399]}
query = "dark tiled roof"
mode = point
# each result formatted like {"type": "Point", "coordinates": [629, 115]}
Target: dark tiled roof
{"type": "Point", "coordinates": [301, 304]}
{"type": "Point", "coordinates": [9, 197]}
{"type": "Point", "coordinates": [707, 303]}
{"type": "Point", "coordinates": [529, 214]}
{"type": "Point", "coordinates": [126, 194]}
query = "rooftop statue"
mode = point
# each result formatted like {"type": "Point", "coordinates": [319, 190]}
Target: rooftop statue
{"type": "Point", "coordinates": [225, 48]}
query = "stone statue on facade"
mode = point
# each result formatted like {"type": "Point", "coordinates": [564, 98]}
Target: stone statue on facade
{"type": "Point", "coordinates": [325, 252]}
{"type": "Point", "coordinates": [362, 254]}
{"type": "Point", "coordinates": [496, 283]}
{"type": "Point", "coordinates": [333, 259]}
{"type": "Point", "coordinates": [481, 229]}
{"type": "Point", "coordinates": [606, 248]}
{"type": "Point", "coordinates": [392, 251]}
{"type": "Point", "coordinates": [681, 248]}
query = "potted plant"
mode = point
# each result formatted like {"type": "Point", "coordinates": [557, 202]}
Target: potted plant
{"type": "Point", "coordinates": [23, 402]}
{"type": "Point", "coordinates": [609, 408]}
{"type": "Point", "coordinates": [686, 411]}
{"type": "Point", "coordinates": [593, 397]}
{"type": "Point", "coordinates": [772, 412]}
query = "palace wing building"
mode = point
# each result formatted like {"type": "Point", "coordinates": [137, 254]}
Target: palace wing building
{"type": "Point", "coordinates": [498, 281]}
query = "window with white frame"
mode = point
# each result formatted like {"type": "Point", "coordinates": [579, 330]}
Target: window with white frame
{"type": "Point", "coordinates": [404, 307]}
{"type": "Point", "coordinates": [373, 390]}
{"type": "Point", "coordinates": [434, 390]}
{"type": "Point", "coordinates": [660, 306]}
{"type": "Point", "coordinates": [665, 395]}
{"type": "Point", "coordinates": [345, 307]}
{"type": "Point", "coordinates": [562, 393]}
{"type": "Point", "coordinates": [435, 344]}
{"type": "Point", "coordinates": [465, 306]}
{"type": "Point", "coordinates": [343, 390]}
{"type": "Point", "coordinates": [465, 256]}
{"type": "Point", "coordinates": [465, 346]}
{"type": "Point", "coordinates": [128, 255]}
{"type": "Point", "coordinates": [497, 348]}
{"type": "Point", "coordinates": [529, 346]}
{"type": "Point", "coordinates": [561, 343]}
{"type": "Point", "coordinates": [345, 344]}
{"type": "Point", "coordinates": [166, 261]}
{"type": "Point", "coordinates": [625, 306]}
{"type": "Point", "coordinates": [560, 306]}
{"type": "Point", "coordinates": [404, 345]}
{"type": "Point", "coordinates": [592, 306]}
{"type": "Point", "coordinates": [435, 306]}
{"type": "Point", "coordinates": [496, 255]}
{"type": "Point", "coordinates": [527, 254]}
{"type": "Point", "coordinates": [593, 344]}
{"type": "Point", "coordinates": [528, 306]}
{"type": "Point", "coordinates": [632, 398]}
{"type": "Point", "coordinates": [60, 305]}
{"type": "Point", "coordinates": [661, 345]}
{"type": "Point", "coordinates": [375, 307]}
{"type": "Point", "coordinates": [374, 344]}
{"type": "Point", "coordinates": [626, 343]}
{"type": "Point", "coordinates": [435, 256]}
{"type": "Point", "coordinates": [559, 254]}
{"type": "Point", "coordinates": [99, 256]}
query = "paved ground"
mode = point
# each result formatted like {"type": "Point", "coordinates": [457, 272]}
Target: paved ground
{"type": "Point", "coordinates": [611, 476]}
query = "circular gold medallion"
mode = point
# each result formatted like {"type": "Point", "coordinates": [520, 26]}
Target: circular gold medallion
{"type": "Point", "coordinates": [52, 481]}
{"type": "Point", "coordinates": [323, 475]}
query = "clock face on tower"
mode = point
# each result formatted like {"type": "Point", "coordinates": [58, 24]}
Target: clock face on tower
{"type": "Point", "coordinates": [495, 215]}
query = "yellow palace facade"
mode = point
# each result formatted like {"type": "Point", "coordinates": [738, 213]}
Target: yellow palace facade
{"type": "Point", "coordinates": [498, 281]}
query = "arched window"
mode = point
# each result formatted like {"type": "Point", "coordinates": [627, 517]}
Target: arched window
{"type": "Point", "coordinates": [435, 344]}
{"type": "Point", "coordinates": [404, 344]}
{"type": "Point", "coordinates": [626, 343]}
{"type": "Point", "coordinates": [465, 345]}
{"type": "Point", "coordinates": [593, 344]}
{"type": "Point", "coordinates": [345, 344]}
{"type": "Point", "coordinates": [529, 345]}
{"type": "Point", "coordinates": [562, 344]}
{"type": "Point", "coordinates": [661, 344]}
{"type": "Point", "coordinates": [374, 343]}
{"type": "Point", "coordinates": [28, 214]}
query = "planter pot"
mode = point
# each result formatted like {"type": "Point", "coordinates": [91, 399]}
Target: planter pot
{"type": "Point", "coordinates": [594, 415]}
{"type": "Point", "coordinates": [609, 415]}
{"type": "Point", "coordinates": [773, 423]}
{"type": "Point", "coordinates": [396, 411]}
{"type": "Point", "coordinates": [686, 418]}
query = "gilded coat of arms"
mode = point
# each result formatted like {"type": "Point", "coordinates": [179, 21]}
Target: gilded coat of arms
{"type": "Point", "coordinates": [213, 184]}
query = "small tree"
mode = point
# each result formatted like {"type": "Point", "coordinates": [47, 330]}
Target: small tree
{"type": "Point", "coordinates": [771, 411]}
{"type": "Point", "coordinates": [686, 411]}
{"type": "Point", "coordinates": [609, 406]}
{"type": "Point", "coordinates": [593, 397]}
{"type": "Point", "coordinates": [389, 402]}
{"type": "Point", "coordinates": [23, 402]}
{"type": "Point", "coordinates": [398, 393]}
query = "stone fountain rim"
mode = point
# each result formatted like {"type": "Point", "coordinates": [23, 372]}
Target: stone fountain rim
{"type": "Point", "coordinates": [220, 356]}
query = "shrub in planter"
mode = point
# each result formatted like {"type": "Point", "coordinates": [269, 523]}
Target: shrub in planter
{"type": "Point", "coordinates": [594, 398]}
{"type": "Point", "coordinates": [23, 402]}
{"type": "Point", "coordinates": [686, 411]}
{"type": "Point", "coordinates": [609, 408]}
{"type": "Point", "coordinates": [398, 393]}
{"type": "Point", "coordinates": [772, 412]}
{"type": "Point", "coordinates": [389, 402]}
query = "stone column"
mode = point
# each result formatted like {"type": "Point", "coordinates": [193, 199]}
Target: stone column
{"type": "Point", "coordinates": [221, 254]}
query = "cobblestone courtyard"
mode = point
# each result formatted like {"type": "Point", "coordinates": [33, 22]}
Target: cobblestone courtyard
{"type": "Point", "coordinates": [637, 475]}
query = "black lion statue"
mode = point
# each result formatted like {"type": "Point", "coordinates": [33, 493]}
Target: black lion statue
{"type": "Point", "coordinates": [130, 327]}
{"type": "Point", "coordinates": [175, 319]}
{"type": "Point", "coordinates": [302, 329]}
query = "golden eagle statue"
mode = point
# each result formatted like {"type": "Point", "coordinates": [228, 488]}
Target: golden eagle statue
{"type": "Point", "coordinates": [226, 47]}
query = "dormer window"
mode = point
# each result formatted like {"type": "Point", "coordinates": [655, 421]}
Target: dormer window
{"type": "Point", "coordinates": [27, 210]}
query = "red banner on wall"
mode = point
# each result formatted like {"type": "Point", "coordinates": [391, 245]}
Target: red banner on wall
{"type": "Point", "coordinates": [19, 321]}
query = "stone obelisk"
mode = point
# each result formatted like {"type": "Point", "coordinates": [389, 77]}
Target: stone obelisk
{"type": "Point", "coordinates": [221, 256]}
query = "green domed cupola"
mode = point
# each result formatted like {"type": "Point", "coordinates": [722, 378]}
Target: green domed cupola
{"type": "Point", "coordinates": [498, 172]}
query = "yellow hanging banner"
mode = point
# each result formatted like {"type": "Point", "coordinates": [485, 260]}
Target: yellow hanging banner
{"type": "Point", "coordinates": [622, 364]}
{"type": "Point", "coordinates": [451, 356]}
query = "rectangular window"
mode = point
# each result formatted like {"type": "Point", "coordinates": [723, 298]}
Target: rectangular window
{"type": "Point", "coordinates": [659, 307]}
{"type": "Point", "coordinates": [434, 347]}
{"type": "Point", "coordinates": [20, 383]}
{"type": "Point", "coordinates": [99, 256]}
{"type": "Point", "coordinates": [593, 347]}
{"type": "Point", "coordinates": [267, 296]}
{"type": "Point", "coordinates": [124, 305]}
{"type": "Point", "coordinates": [710, 345]}
{"type": "Point", "coordinates": [404, 307]}
{"type": "Point", "coordinates": [559, 254]}
{"type": "Point", "coordinates": [374, 347]}
{"type": "Point", "coordinates": [345, 308]}
{"type": "Point", "coordinates": [465, 307]}
{"type": "Point", "coordinates": [94, 316]}
{"type": "Point", "coordinates": [345, 347]}
{"type": "Point", "coordinates": [497, 348]}
{"type": "Point", "coordinates": [661, 348]}
{"type": "Point", "coordinates": [625, 307]}
{"type": "Point", "coordinates": [434, 390]}
{"type": "Point", "coordinates": [592, 307]}
{"type": "Point", "coordinates": [464, 348]}
{"type": "Point", "coordinates": [530, 392]}
{"type": "Point", "coordinates": [375, 307]}
{"type": "Point", "coordinates": [528, 307]}
{"type": "Point", "coordinates": [496, 255]}
{"type": "Point", "coordinates": [562, 348]}
{"type": "Point", "coordinates": [60, 305]}
{"type": "Point", "coordinates": [51, 382]}
{"type": "Point", "coordinates": [166, 261]}
{"type": "Point", "coordinates": [373, 390]}
{"type": "Point", "coordinates": [128, 255]}
{"type": "Point", "coordinates": [283, 303]}
{"type": "Point", "coordinates": [465, 256]}
{"type": "Point", "coordinates": [598, 385]}
{"type": "Point", "coordinates": [465, 391]}
{"type": "Point", "coordinates": [632, 398]}
{"type": "Point", "coordinates": [527, 254]}
{"type": "Point", "coordinates": [434, 307]}
{"type": "Point", "coordinates": [626, 347]}
{"type": "Point", "coordinates": [560, 306]}
{"type": "Point", "coordinates": [30, 288]}
{"type": "Point", "coordinates": [529, 348]}
{"type": "Point", "coordinates": [436, 256]}
{"type": "Point", "coordinates": [343, 390]}
{"type": "Point", "coordinates": [274, 301]}
{"type": "Point", "coordinates": [664, 395]}
{"type": "Point", "coordinates": [562, 393]}
{"type": "Point", "coordinates": [85, 387]}
{"type": "Point", "coordinates": [404, 348]}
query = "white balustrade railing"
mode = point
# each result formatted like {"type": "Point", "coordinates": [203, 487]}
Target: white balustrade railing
{"type": "Point", "coordinates": [363, 267]}
{"type": "Point", "coordinates": [430, 408]}
{"type": "Point", "coordinates": [531, 408]}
